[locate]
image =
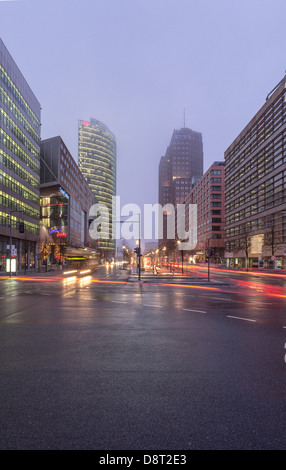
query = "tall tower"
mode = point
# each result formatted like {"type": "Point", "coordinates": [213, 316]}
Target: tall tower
{"type": "Point", "coordinates": [178, 168]}
{"type": "Point", "coordinates": [97, 162]}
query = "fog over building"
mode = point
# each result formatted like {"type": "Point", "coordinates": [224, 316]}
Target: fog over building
{"type": "Point", "coordinates": [182, 162]}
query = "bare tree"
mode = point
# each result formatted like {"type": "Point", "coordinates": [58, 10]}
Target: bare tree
{"type": "Point", "coordinates": [245, 245]}
{"type": "Point", "coordinates": [272, 241]}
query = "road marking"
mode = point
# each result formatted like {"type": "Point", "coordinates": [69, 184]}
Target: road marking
{"type": "Point", "coordinates": [43, 293]}
{"type": "Point", "coordinates": [189, 310]}
{"type": "Point", "coordinates": [118, 302]}
{"type": "Point", "coordinates": [219, 298]}
{"type": "Point", "coordinates": [240, 318]}
{"type": "Point", "coordinates": [1, 298]}
{"type": "Point", "coordinates": [152, 305]}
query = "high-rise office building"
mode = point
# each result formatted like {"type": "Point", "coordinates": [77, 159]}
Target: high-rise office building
{"type": "Point", "coordinates": [20, 167]}
{"type": "Point", "coordinates": [182, 162]}
{"type": "Point", "coordinates": [255, 187]}
{"type": "Point", "coordinates": [97, 162]}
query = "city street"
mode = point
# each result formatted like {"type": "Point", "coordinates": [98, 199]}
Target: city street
{"type": "Point", "coordinates": [104, 362]}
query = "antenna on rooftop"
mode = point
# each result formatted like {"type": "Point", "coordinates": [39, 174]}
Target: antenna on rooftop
{"type": "Point", "coordinates": [184, 117]}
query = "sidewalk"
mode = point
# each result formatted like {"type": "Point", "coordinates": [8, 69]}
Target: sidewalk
{"type": "Point", "coordinates": [32, 273]}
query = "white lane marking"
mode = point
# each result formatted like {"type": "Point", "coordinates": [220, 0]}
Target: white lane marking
{"type": "Point", "coordinates": [190, 310]}
{"type": "Point", "coordinates": [1, 298]}
{"type": "Point", "coordinates": [152, 305]}
{"type": "Point", "coordinates": [240, 318]}
{"type": "Point", "coordinates": [43, 293]}
{"type": "Point", "coordinates": [118, 302]}
{"type": "Point", "coordinates": [219, 298]}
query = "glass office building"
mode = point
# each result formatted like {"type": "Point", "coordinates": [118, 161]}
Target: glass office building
{"type": "Point", "coordinates": [19, 165]}
{"type": "Point", "coordinates": [97, 162]}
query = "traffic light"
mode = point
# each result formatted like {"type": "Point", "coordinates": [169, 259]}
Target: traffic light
{"type": "Point", "coordinates": [21, 227]}
{"type": "Point", "coordinates": [137, 250]}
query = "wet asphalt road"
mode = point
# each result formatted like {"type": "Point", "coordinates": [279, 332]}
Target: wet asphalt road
{"type": "Point", "coordinates": [86, 364]}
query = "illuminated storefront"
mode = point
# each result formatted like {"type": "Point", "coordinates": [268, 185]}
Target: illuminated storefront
{"type": "Point", "coordinates": [65, 203]}
{"type": "Point", "coordinates": [20, 167]}
{"type": "Point", "coordinates": [97, 162]}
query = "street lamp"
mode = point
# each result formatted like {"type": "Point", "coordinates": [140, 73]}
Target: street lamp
{"type": "Point", "coordinates": [164, 256]}
{"type": "Point", "coordinates": [182, 254]}
{"type": "Point", "coordinates": [10, 236]}
{"type": "Point", "coordinates": [283, 213]}
{"type": "Point", "coordinates": [137, 243]}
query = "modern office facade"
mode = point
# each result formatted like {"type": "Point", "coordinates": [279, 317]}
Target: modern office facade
{"type": "Point", "coordinates": [20, 126]}
{"type": "Point", "coordinates": [255, 182]}
{"type": "Point", "coordinates": [65, 202]}
{"type": "Point", "coordinates": [208, 195]}
{"type": "Point", "coordinates": [97, 162]}
{"type": "Point", "coordinates": [182, 162]}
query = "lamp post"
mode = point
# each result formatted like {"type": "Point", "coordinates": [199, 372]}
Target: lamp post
{"type": "Point", "coordinates": [164, 256]}
{"type": "Point", "coordinates": [182, 255]}
{"type": "Point", "coordinates": [283, 213]}
{"type": "Point", "coordinates": [139, 245]}
{"type": "Point", "coordinates": [139, 242]}
{"type": "Point", "coordinates": [10, 237]}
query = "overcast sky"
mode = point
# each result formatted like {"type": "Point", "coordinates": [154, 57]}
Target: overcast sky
{"type": "Point", "coordinates": [136, 64]}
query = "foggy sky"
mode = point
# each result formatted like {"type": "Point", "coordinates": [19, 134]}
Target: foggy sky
{"type": "Point", "coordinates": [136, 64]}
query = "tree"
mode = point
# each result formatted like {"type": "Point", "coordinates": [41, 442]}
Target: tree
{"type": "Point", "coordinates": [271, 240]}
{"type": "Point", "coordinates": [45, 250]}
{"type": "Point", "coordinates": [245, 245]}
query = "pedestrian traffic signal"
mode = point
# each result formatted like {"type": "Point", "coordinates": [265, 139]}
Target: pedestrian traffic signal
{"type": "Point", "coordinates": [21, 227]}
{"type": "Point", "coordinates": [137, 250]}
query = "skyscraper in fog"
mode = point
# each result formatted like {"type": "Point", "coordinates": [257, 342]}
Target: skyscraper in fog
{"type": "Point", "coordinates": [179, 167]}
{"type": "Point", "coordinates": [182, 161]}
{"type": "Point", "coordinates": [97, 162]}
